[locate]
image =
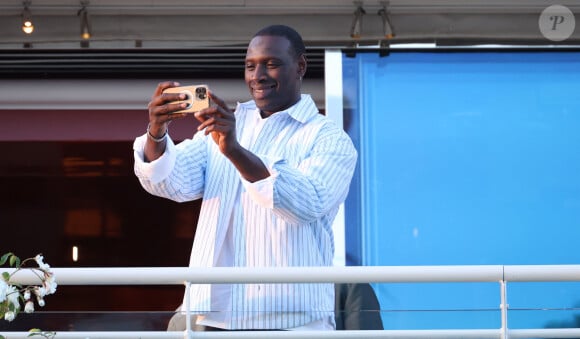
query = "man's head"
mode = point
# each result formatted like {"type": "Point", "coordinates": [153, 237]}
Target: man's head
{"type": "Point", "coordinates": [275, 65]}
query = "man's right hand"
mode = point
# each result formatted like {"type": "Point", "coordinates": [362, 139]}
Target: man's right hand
{"type": "Point", "coordinates": [161, 113]}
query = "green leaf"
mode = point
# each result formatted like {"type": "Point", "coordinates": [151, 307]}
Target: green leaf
{"type": "Point", "coordinates": [34, 331]}
{"type": "Point", "coordinates": [6, 276]}
{"type": "Point", "coordinates": [4, 258]}
{"type": "Point", "coordinates": [14, 261]}
{"type": "Point", "coordinates": [2, 337]}
{"type": "Point", "coordinates": [38, 332]}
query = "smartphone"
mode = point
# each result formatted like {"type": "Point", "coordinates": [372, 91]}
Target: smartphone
{"type": "Point", "coordinates": [196, 97]}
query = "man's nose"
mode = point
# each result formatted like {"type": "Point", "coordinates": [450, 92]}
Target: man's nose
{"type": "Point", "coordinates": [259, 72]}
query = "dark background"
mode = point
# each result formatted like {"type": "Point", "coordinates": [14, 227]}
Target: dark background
{"type": "Point", "coordinates": [56, 195]}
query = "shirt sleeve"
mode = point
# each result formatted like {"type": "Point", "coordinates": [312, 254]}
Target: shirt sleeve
{"type": "Point", "coordinates": [262, 191]}
{"type": "Point", "coordinates": [157, 170]}
{"type": "Point", "coordinates": [317, 185]}
{"type": "Point", "coordinates": [178, 174]}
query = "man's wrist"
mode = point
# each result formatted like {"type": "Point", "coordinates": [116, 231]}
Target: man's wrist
{"type": "Point", "coordinates": [154, 138]}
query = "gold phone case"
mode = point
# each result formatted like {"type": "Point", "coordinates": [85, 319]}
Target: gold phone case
{"type": "Point", "coordinates": [197, 98]}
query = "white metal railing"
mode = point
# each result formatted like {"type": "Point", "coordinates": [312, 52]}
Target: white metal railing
{"type": "Point", "coordinates": [386, 274]}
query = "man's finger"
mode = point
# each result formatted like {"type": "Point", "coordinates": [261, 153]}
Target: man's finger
{"type": "Point", "coordinates": [162, 86]}
{"type": "Point", "coordinates": [218, 101]}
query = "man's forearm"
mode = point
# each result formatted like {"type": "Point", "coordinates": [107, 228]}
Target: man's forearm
{"type": "Point", "coordinates": [156, 143]}
{"type": "Point", "coordinates": [249, 165]}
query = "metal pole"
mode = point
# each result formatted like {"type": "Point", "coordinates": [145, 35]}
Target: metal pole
{"type": "Point", "coordinates": [188, 332]}
{"type": "Point", "coordinates": [503, 308]}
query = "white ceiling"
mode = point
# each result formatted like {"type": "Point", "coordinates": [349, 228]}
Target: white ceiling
{"type": "Point", "coordinates": [193, 23]}
{"type": "Point", "coordinates": [149, 25]}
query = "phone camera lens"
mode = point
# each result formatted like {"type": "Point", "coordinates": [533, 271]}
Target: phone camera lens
{"type": "Point", "coordinates": [201, 93]}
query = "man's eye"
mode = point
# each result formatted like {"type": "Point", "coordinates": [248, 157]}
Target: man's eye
{"type": "Point", "coordinates": [273, 65]}
{"type": "Point", "coordinates": [250, 67]}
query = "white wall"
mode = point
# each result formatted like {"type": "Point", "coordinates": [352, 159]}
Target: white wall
{"type": "Point", "coordinates": [103, 94]}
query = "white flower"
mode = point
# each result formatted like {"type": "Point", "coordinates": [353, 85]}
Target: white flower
{"type": "Point", "coordinates": [40, 261]}
{"type": "Point", "coordinates": [9, 316]}
{"type": "Point", "coordinates": [50, 284]}
{"type": "Point", "coordinates": [3, 290]}
{"type": "Point", "coordinates": [29, 307]}
{"type": "Point", "coordinates": [12, 295]}
{"type": "Point", "coordinates": [40, 292]}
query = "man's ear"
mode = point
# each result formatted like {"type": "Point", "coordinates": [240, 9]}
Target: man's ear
{"type": "Point", "coordinates": [302, 65]}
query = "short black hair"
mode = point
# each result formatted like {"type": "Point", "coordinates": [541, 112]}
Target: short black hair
{"type": "Point", "coordinates": [287, 32]}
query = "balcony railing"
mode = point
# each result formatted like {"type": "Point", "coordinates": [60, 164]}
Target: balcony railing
{"type": "Point", "coordinates": [501, 274]}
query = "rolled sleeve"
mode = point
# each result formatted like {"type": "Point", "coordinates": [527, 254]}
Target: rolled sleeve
{"type": "Point", "coordinates": [262, 192]}
{"type": "Point", "coordinates": [155, 171]}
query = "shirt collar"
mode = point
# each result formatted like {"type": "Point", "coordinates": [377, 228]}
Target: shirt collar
{"type": "Point", "coordinates": [302, 111]}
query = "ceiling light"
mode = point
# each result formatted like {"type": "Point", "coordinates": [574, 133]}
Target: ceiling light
{"type": "Point", "coordinates": [27, 26]}
{"type": "Point", "coordinates": [356, 27]}
{"type": "Point", "coordinates": [85, 25]}
{"type": "Point", "coordinates": [384, 14]}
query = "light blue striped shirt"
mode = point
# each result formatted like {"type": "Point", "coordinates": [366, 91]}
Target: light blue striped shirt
{"type": "Point", "coordinates": [283, 220]}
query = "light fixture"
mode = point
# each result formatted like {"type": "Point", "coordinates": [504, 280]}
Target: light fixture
{"type": "Point", "coordinates": [27, 26]}
{"type": "Point", "coordinates": [384, 14]}
{"type": "Point", "coordinates": [356, 28]}
{"type": "Point", "coordinates": [75, 253]}
{"type": "Point", "coordinates": [85, 25]}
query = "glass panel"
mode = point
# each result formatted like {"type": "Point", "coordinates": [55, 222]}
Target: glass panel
{"type": "Point", "coordinates": [466, 158]}
{"type": "Point", "coordinates": [89, 321]}
{"type": "Point", "coordinates": [544, 304]}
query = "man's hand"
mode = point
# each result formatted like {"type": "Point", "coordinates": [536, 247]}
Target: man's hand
{"type": "Point", "coordinates": [161, 109]}
{"type": "Point", "coordinates": [219, 121]}
{"type": "Point", "coordinates": [161, 113]}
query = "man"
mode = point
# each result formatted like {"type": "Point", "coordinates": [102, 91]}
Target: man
{"type": "Point", "coordinates": [272, 175]}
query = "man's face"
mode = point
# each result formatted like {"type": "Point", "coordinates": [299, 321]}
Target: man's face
{"type": "Point", "coordinates": [273, 74]}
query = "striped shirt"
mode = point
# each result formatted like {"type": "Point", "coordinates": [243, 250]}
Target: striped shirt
{"type": "Point", "coordinates": [283, 220]}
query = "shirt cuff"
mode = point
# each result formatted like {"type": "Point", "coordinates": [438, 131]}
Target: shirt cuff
{"type": "Point", "coordinates": [262, 191]}
{"type": "Point", "coordinates": [157, 170]}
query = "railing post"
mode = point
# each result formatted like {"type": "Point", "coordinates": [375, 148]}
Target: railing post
{"type": "Point", "coordinates": [504, 309]}
{"type": "Point", "coordinates": [188, 333]}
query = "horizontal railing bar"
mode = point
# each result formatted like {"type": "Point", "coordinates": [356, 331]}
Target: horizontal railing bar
{"type": "Point", "coordinates": [350, 274]}
{"type": "Point", "coordinates": [545, 333]}
{"type": "Point", "coordinates": [544, 273]}
{"type": "Point", "coordinates": [391, 334]}
{"type": "Point", "coordinates": [103, 335]}
{"type": "Point", "coordinates": [407, 334]}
